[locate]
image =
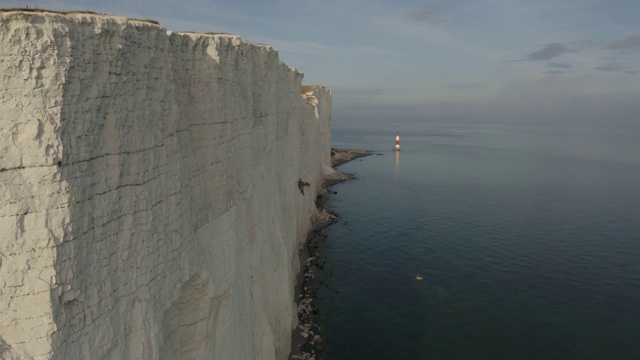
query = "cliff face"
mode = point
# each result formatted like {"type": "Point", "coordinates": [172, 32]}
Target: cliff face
{"type": "Point", "coordinates": [149, 198]}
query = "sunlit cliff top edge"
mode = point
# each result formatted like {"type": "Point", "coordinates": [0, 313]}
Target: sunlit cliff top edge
{"type": "Point", "coordinates": [8, 13]}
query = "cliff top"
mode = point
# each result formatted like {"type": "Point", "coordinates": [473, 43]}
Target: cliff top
{"type": "Point", "coordinates": [148, 21]}
{"type": "Point", "coordinates": [72, 12]}
{"type": "Point", "coordinates": [307, 90]}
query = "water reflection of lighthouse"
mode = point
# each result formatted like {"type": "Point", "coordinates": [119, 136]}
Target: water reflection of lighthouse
{"type": "Point", "coordinates": [397, 148]}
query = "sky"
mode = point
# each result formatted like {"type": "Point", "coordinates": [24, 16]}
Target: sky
{"type": "Point", "coordinates": [457, 60]}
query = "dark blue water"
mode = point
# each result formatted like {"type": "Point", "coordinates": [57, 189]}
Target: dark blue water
{"type": "Point", "coordinates": [527, 239]}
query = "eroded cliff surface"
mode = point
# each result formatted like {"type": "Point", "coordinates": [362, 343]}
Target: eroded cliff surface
{"type": "Point", "coordinates": [150, 205]}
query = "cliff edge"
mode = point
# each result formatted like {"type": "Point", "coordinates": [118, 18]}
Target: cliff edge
{"type": "Point", "coordinates": [150, 197]}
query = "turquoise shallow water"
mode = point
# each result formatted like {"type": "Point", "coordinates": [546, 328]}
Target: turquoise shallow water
{"type": "Point", "coordinates": [527, 237]}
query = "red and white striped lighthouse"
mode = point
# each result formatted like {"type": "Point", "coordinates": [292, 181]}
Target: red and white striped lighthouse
{"type": "Point", "coordinates": [397, 148]}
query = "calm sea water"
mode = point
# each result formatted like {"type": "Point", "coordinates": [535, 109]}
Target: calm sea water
{"type": "Point", "coordinates": [527, 239]}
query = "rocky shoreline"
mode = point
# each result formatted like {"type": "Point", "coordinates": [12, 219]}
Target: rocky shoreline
{"type": "Point", "coordinates": [306, 337]}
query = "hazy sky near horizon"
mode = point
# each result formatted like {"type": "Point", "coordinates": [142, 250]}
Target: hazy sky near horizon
{"type": "Point", "coordinates": [520, 60]}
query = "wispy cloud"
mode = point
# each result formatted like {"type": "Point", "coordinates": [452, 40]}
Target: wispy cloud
{"type": "Point", "coordinates": [556, 68]}
{"type": "Point", "coordinates": [631, 42]}
{"type": "Point", "coordinates": [429, 14]}
{"type": "Point", "coordinates": [550, 51]}
{"type": "Point", "coordinates": [617, 67]}
{"type": "Point", "coordinates": [553, 50]}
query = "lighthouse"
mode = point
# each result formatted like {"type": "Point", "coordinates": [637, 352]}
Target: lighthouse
{"type": "Point", "coordinates": [397, 148]}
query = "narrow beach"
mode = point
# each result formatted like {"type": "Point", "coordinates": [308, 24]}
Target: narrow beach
{"type": "Point", "coordinates": [306, 340]}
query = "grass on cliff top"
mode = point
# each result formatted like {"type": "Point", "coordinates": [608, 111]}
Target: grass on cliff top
{"type": "Point", "coordinates": [38, 10]}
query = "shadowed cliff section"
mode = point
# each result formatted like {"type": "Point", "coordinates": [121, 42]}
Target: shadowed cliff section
{"type": "Point", "coordinates": [157, 179]}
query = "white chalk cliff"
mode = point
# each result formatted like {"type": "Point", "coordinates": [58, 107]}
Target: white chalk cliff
{"type": "Point", "coordinates": [152, 190]}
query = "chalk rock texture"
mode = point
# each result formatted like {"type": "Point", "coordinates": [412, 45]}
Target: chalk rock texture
{"type": "Point", "coordinates": [149, 199]}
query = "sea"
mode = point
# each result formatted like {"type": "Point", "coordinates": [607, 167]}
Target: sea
{"type": "Point", "coordinates": [484, 241]}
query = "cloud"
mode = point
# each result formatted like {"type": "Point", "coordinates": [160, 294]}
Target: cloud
{"type": "Point", "coordinates": [617, 67]}
{"type": "Point", "coordinates": [428, 14]}
{"type": "Point", "coordinates": [553, 50]}
{"type": "Point", "coordinates": [465, 86]}
{"type": "Point", "coordinates": [631, 42]}
{"type": "Point", "coordinates": [550, 51]}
